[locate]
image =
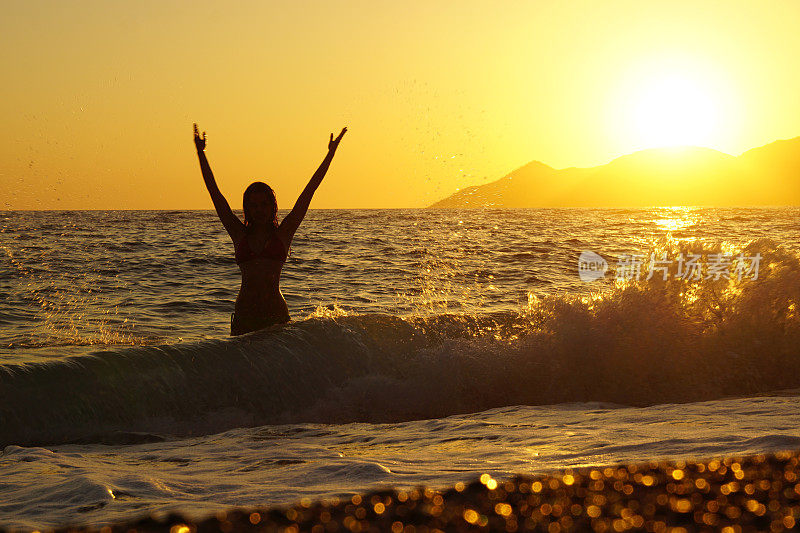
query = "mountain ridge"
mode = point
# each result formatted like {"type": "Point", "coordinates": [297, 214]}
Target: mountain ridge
{"type": "Point", "coordinates": [686, 175]}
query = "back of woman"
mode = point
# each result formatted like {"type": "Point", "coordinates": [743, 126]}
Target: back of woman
{"type": "Point", "coordinates": [261, 244]}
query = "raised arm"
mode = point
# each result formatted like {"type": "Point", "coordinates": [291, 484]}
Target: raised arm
{"type": "Point", "coordinates": [292, 221]}
{"type": "Point", "coordinates": [232, 224]}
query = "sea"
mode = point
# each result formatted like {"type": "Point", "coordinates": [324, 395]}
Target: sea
{"type": "Point", "coordinates": [426, 347]}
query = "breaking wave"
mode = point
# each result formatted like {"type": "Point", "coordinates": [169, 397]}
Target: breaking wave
{"type": "Point", "coordinates": [641, 343]}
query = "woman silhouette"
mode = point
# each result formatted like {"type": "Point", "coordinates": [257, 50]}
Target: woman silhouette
{"type": "Point", "coordinates": [261, 243]}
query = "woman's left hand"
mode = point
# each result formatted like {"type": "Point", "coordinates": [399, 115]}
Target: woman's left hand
{"type": "Point", "coordinates": [334, 143]}
{"type": "Point", "coordinates": [199, 142]}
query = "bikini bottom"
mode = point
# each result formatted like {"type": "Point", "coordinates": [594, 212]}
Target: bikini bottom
{"type": "Point", "coordinates": [241, 324]}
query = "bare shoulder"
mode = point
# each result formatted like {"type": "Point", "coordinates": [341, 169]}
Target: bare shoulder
{"type": "Point", "coordinates": [285, 232]}
{"type": "Point", "coordinates": [236, 231]}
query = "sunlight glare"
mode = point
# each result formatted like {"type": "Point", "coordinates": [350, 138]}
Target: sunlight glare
{"type": "Point", "coordinates": [675, 110]}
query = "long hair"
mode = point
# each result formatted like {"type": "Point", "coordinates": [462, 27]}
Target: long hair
{"type": "Point", "coordinates": [259, 186]}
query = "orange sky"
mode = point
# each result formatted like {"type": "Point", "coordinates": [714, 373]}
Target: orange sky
{"type": "Point", "coordinates": [98, 97]}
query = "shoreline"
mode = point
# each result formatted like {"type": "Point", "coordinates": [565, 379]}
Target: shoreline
{"type": "Point", "coordinates": [731, 494]}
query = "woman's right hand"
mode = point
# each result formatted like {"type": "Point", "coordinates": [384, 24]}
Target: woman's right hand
{"type": "Point", "coordinates": [333, 144]}
{"type": "Point", "coordinates": [199, 142]}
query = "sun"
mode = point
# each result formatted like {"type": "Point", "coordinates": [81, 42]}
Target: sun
{"type": "Point", "coordinates": [675, 98]}
{"type": "Point", "coordinates": [674, 110]}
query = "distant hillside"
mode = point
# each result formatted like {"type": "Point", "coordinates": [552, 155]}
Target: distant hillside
{"type": "Point", "coordinates": [769, 175]}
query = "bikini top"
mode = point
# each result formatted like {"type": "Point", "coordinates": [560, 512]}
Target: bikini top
{"type": "Point", "coordinates": [273, 249]}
